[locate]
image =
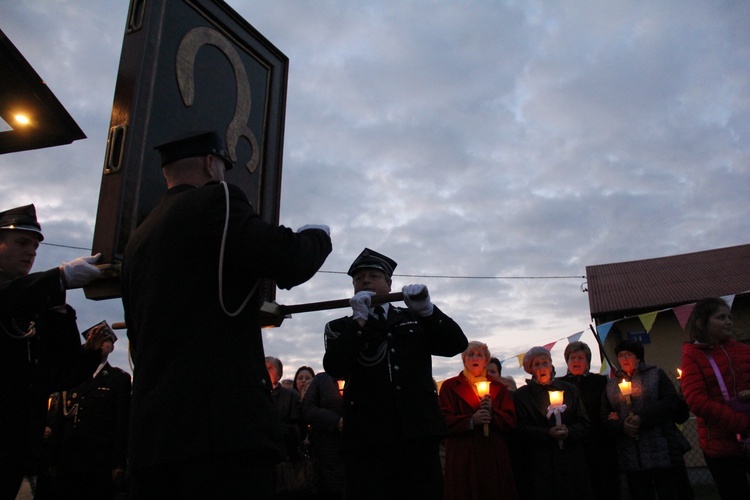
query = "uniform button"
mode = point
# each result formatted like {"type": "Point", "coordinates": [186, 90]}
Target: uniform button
{"type": "Point", "coordinates": [263, 381]}
{"type": "Point", "coordinates": [395, 367]}
{"type": "Point", "coordinates": [393, 349]}
{"type": "Point", "coordinates": [411, 331]}
{"type": "Point", "coordinates": [398, 387]}
{"type": "Point", "coordinates": [359, 333]}
{"type": "Point", "coordinates": [390, 334]}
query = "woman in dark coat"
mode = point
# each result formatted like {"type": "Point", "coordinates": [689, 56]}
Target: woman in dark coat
{"type": "Point", "coordinates": [477, 463]}
{"type": "Point", "coordinates": [552, 461]}
{"type": "Point", "coordinates": [644, 425]}
{"type": "Point", "coordinates": [322, 410]}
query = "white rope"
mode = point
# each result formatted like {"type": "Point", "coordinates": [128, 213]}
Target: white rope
{"type": "Point", "coordinates": [221, 264]}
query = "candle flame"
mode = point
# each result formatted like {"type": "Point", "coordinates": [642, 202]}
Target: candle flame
{"type": "Point", "coordinates": [679, 373]}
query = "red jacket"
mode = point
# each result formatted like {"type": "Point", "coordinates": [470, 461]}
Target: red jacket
{"type": "Point", "coordinates": [718, 424]}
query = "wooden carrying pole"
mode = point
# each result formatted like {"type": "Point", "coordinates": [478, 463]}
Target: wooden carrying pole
{"type": "Point", "coordinates": [277, 313]}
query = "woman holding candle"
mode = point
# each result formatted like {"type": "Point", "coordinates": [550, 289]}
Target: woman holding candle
{"type": "Point", "coordinates": [641, 408]}
{"type": "Point", "coordinates": [714, 363]}
{"type": "Point", "coordinates": [550, 434]}
{"type": "Point", "coordinates": [477, 460]}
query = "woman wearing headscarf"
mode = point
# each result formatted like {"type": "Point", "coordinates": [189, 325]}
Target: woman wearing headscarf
{"type": "Point", "coordinates": [552, 462]}
{"type": "Point", "coordinates": [477, 462]}
{"type": "Point", "coordinates": [715, 380]}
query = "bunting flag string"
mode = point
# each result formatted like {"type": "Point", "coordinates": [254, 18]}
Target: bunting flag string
{"type": "Point", "coordinates": [682, 313]}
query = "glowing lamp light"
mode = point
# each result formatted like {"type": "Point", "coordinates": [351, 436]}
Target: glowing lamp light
{"type": "Point", "coordinates": [22, 119]}
{"type": "Point", "coordinates": [556, 397]}
{"type": "Point", "coordinates": [625, 387]}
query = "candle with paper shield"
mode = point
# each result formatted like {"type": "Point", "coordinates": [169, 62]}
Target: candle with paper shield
{"type": "Point", "coordinates": [483, 388]}
{"type": "Point", "coordinates": [556, 407]}
{"type": "Point", "coordinates": [556, 397]}
{"type": "Point", "coordinates": [341, 383]}
{"type": "Point", "coordinates": [626, 388]}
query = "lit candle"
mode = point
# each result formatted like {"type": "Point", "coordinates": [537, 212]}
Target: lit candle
{"type": "Point", "coordinates": [483, 388]}
{"type": "Point", "coordinates": [679, 373]}
{"type": "Point", "coordinates": [625, 387]}
{"type": "Point", "coordinates": [556, 397]}
{"type": "Point", "coordinates": [341, 383]}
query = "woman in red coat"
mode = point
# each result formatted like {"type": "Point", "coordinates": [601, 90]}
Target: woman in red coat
{"type": "Point", "coordinates": [712, 351]}
{"type": "Point", "coordinates": [477, 462]}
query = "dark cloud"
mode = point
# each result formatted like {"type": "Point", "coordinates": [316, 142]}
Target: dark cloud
{"type": "Point", "coordinates": [502, 142]}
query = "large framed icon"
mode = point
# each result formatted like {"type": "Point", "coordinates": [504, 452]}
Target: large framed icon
{"type": "Point", "coordinates": [188, 65]}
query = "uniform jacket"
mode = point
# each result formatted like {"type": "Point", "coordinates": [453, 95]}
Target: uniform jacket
{"type": "Point", "coordinates": [200, 384]}
{"type": "Point", "coordinates": [92, 421]}
{"type": "Point", "coordinates": [718, 424]}
{"type": "Point", "coordinates": [470, 456]}
{"type": "Point", "coordinates": [33, 368]}
{"type": "Point", "coordinates": [390, 394]}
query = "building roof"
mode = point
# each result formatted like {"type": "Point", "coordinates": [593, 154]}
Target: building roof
{"type": "Point", "coordinates": [627, 288]}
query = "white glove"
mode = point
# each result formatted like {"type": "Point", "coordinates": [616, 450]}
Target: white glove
{"type": "Point", "coordinates": [80, 272]}
{"type": "Point", "coordinates": [361, 304]}
{"type": "Point", "coordinates": [315, 226]}
{"type": "Point", "coordinates": [417, 298]}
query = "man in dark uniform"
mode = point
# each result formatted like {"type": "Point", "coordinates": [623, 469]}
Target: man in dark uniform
{"type": "Point", "coordinates": [39, 348]}
{"type": "Point", "coordinates": [91, 430]}
{"type": "Point", "coordinates": [392, 421]}
{"type": "Point", "coordinates": [203, 423]}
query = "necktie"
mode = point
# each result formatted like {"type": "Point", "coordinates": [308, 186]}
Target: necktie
{"type": "Point", "coordinates": [380, 314]}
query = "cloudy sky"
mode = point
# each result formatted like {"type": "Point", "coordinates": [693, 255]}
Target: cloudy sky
{"type": "Point", "coordinates": [494, 149]}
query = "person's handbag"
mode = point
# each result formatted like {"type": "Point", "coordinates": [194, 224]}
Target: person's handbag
{"type": "Point", "coordinates": [296, 478]}
{"type": "Point", "coordinates": [735, 403]}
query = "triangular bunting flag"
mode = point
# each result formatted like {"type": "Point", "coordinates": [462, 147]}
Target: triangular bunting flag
{"type": "Point", "coordinates": [605, 369]}
{"type": "Point", "coordinates": [729, 299]}
{"type": "Point", "coordinates": [648, 319]}
{"type": "Point", "coordinates": [683, 313]}
{"type": "Point", "coordinates": [575, 337]}
{"type": "Point", "coordinates": [603, 330]}
{"type": "Point", "coordinates": [520, 359]}
{"type": "Point", "coordinates": [550, 345]}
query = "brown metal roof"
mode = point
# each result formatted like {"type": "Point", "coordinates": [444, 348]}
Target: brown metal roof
{"type": "Point", "coordinates": [626, 288]}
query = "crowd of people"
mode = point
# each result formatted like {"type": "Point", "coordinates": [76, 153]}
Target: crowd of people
{"type": "Point", "coordinates": [210, 416]}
